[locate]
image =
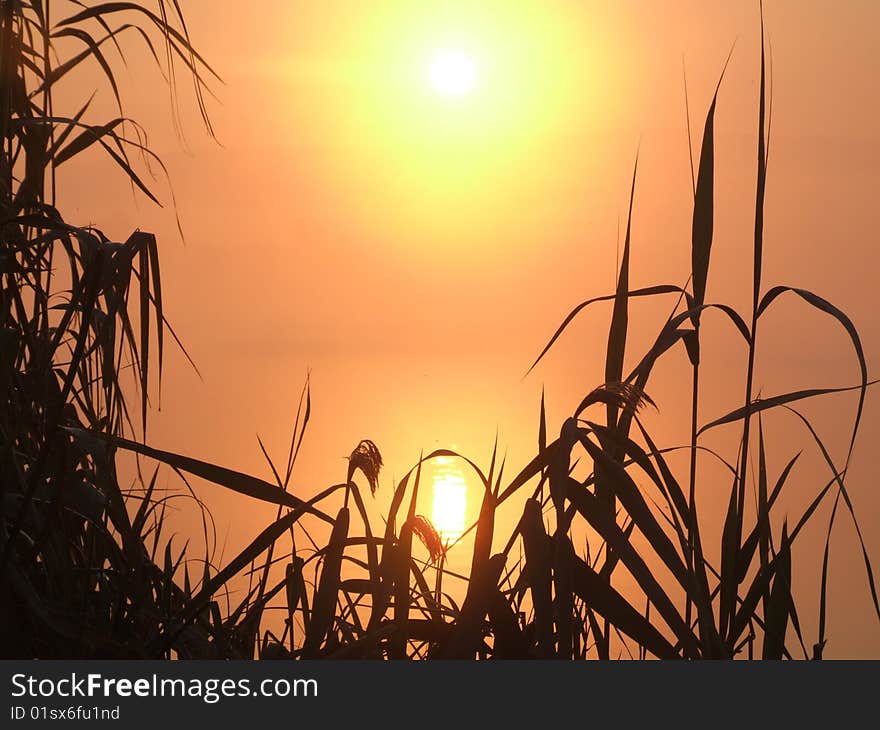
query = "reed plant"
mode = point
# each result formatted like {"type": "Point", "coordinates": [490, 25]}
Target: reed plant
{"type": "Point", "coordinates": [86, 569]}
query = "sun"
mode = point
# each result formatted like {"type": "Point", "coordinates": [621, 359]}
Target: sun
{"type": "Point", "coordinates": [452, 73]}
{"type": "Point", "coordinates": [450, 500]}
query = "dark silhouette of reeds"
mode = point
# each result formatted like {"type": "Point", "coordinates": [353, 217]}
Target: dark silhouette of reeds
{"type": "Point", "coordinates": [86, 570]}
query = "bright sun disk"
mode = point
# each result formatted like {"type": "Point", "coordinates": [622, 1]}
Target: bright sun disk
{"type": "Point", "coordinates": [452, 73]}
{"type": "Point", "coordinates": [450, 500]}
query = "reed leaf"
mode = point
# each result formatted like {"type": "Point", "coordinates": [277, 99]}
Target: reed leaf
{"type": "Point", "coordinates": [324, 606]}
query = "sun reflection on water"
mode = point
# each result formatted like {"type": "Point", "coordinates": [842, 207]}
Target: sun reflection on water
{"type": "Point", "coordinates": [450, 499]}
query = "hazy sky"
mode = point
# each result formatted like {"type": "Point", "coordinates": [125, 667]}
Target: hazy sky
{"type": "Point", "coordinates": [416, 252]}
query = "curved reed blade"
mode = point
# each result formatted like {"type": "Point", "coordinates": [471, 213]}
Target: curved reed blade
{"type": "Point", "coordinates": [819, 646]}
{"type": "Point", "coordinates": [592, 511]}
{"type": "Point", "coordinates": [825, 306]}
{"type": "Point", "coordinates": [763, 404]}
{"type": "Point", "coordinates": [620, 313]}
{"type": "Point", "coordinates": [728, 581]}
{"type": "Point", "coordinates": [485, 533]}
{"type": "Point", "coordinates": [779, 603]}
{"type": "Point", "coordinates": [750, 544]}
{"type": "Point", "coordinates": [508, 639]}
{"type": "Point", "coordinates": [632, 500]}
{"type": "Point", "coordinates": [644, 292]}
{"type": "Point", "coordinates": [602, 598]}
{"type": "Point", "coordinates": [236, 481]}
{"type": "Point", "coordinates": [704, 206]}
{"type": "Point", "coordinates": [838, 479]}
{"type": "Point", "coordinates": [324, 606]}
{"type": "Point", "coordinates": [375, 583]}
{"type": "Point", "coordinates": [466, 637]}
{"type": "Point", "coordinates": [401, 571]}
{"type": "Point", "coordinates": [210, 586]}
{"type": "Point", "coordinates": [537, 572]}
{"type": "Point", "coordinates": [294, 593]}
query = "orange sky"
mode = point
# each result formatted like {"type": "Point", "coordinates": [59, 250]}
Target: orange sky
{"type": "Point", "coordinates": [416, 257]}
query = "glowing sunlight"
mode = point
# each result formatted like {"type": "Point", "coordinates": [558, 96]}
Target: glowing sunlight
{"type": "Point", "coordinates": [453, 73]}
{"type": "Point", "coordinates": [450, 500]}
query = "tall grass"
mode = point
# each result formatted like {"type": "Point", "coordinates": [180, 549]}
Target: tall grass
{"type": "Point", "coordinates": [86, 570]}
{"type": "Point", "coordinates": [82, 572]}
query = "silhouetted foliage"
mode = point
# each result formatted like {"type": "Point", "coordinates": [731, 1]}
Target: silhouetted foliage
{"type": "Point", "coordinates": [87, 571]}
